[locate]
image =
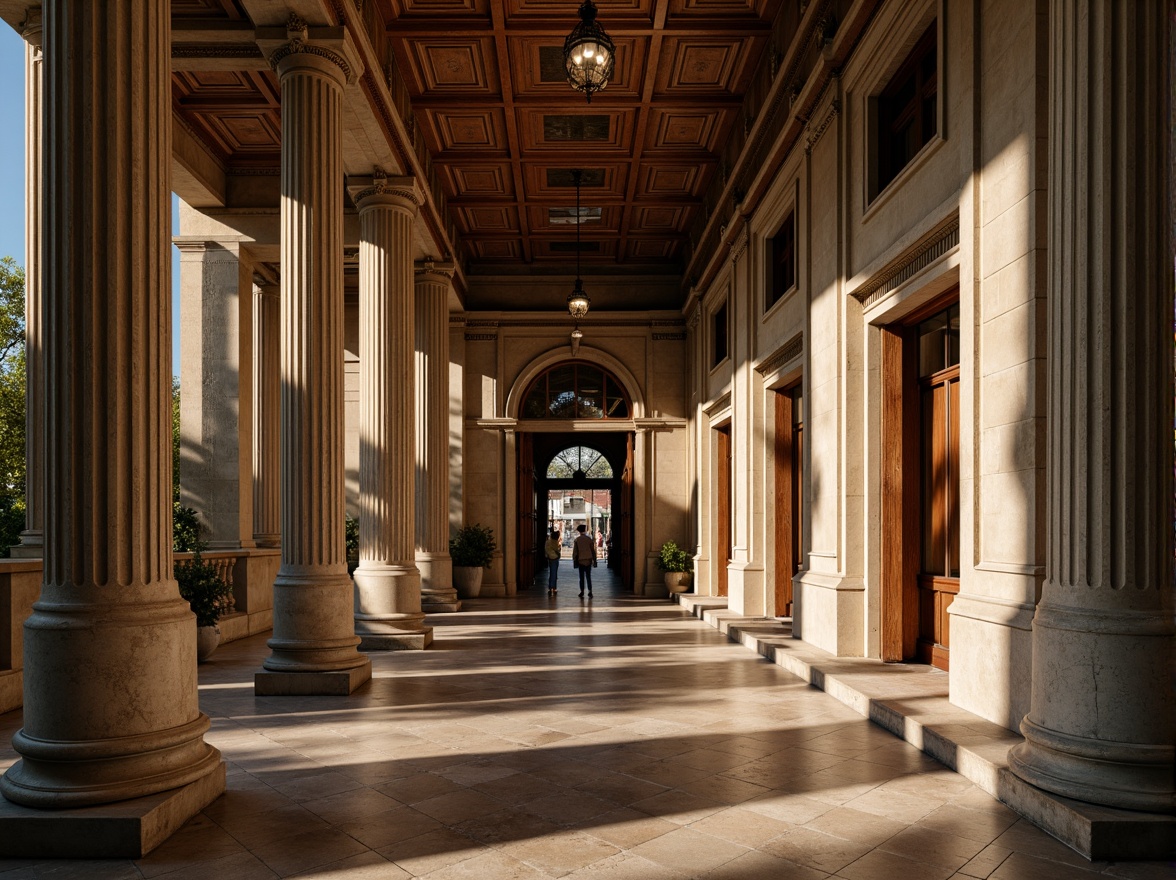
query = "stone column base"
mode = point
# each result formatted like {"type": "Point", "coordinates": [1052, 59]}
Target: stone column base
{"type": "Point", "coordinates": [431, 605]}
{"type": "Point", "coordinates": [388, 615]}
{"type": "Point", "coordinates": [122, 830]}
{"type": "Point", "coordinates": [437, 592]}
{"type": "Point", "coordinates": [338, 683]}
{"type": "Point", "coordinates": [416, 640]}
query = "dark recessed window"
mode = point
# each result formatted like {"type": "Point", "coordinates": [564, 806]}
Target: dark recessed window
{"type": "Point", "coordinates": [719, 325]}
{"type": "Point", "coordinates": [782, 269]}
{"type": "Point", "coordinates": [575, 391]}
{"type": "Point", "coordinates": [907, 111]}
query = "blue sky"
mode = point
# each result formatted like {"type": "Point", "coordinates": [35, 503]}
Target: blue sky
{"type": "Point", "coordinates": [12, 236]}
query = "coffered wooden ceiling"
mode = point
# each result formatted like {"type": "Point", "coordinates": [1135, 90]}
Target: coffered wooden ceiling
{"type": "Point", "coordinates": [503, 128]}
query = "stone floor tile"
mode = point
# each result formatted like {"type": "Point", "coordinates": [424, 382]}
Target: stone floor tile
{"type": "Point", "coordinates": [928, 845]}
{"type": "Point", "coordinates": [198, 840]}
{"type": "Point", "coordinates": [570, 807]}
{"type": "Point", "coordinates": [475, 772]}
{"type": "Point", "coordinates": [814, 849]}
{"type": "Point", "coordinates": [365, 866]}
{"type": "Point", "coordinates": [317, 785]}
{"type": "Point", "coordinates": [264, 828]}
{"type": "Point", "coordinates": [82, 869]}
{"type": "Point", "coordinates": [678, 806]}
{"type": "Point", "coordinates": [559, 853]}
{"type": "Point", "coordinates": [384, 829]}
{"type": "Point", "coordinates": [1020, 866]}
{"type": "Point", "coordinates": [986, 861]}
{"type": "Point", "coordinates": [351, 805]}
{"type": "Point", "coordinates": [741, 826]}
{"type": "Point", "coordinates": [725, 790]}
{"type": "Point", "coordinates": [518, 788]}
{"type": "Point", "coordinates": [688, 851]}
{"type": "Point", "coordinates": [458, 806]}
{"type": "Point", "coordinates": [795, 809]}
{"type": "Point", "coordinates": [624, 866]}
{"type": "Point", "coordinates": [418, 787]}
{"type": "Point", "coordinates": [879, 865]}
{"type": "Point", "coordinates": [240, 866]}
{"type": "Point", "coordinates": [979, 825]}
{"type": "Point", "coordinates": [432, 851]}
{"type": "Point", "coordinates": [627, 827]}
{"type": "Point", "coordinates": [512, 824]}
{"type": "Point", "coordinates": [855, 825]}
{"type": "Point", "coordinates": [1141, 870]}
{"type": "Point", "coordinates": [291, 855]}
{"type": "Point", "coordinates": [488, 865]}
{"type": "Point", "coordinates": [907, 808]}
{"type": "Point", "coordinates": [761, 866]}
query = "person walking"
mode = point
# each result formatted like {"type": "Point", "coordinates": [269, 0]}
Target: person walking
{"type": "Point", "coordinates": [584, 558]}
{"type": "Point", "coordinates": [552, 550]}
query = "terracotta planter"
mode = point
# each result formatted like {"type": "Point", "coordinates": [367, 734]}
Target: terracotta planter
{"type": "Point", "coordinates": [467, 580]}
{"type": "Point", "coordinates": [207, 640]}
{"type": "Point", "coordinates": [678, 581]}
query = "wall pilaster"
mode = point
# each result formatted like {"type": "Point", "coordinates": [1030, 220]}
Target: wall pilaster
{"type": "Point", "coordinates": [267, 428]}
{"type": "Point", "coordinates": [1101, 723]}
{"type": "Point", "coordinates": [314, 642]}
{"type": "Point", "coordinates": [32, 538]}
{"type": "Point", "coordinates": [110, 692]}
{"type": "Point", "coordinates": [432, 437]}
{"type": "Point", "coordinates": [388, 613]}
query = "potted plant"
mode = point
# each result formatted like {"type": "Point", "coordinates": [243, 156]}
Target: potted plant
{"type": "Point", "coordinates": [471, 549]}
{"type": "Point", "coordinates": [678, 566]}
{"type": "Point", "coordinates": [205, 590]}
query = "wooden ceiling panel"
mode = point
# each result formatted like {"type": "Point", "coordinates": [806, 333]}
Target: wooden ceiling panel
{"type": "Point", "coordinates": [660, 219]}
{"type": "Point", "coordinates": [592, 251]}
{"type": "Point", "coordinates": [489, 219]}
{"type": "Point", "coordinates": [552, 183]}
{"type": "Point", "coordinates": [645, 250]}
{"type": "Point", "coordinates": [563, 129]}
{"type": "Point", "coordinates": [567, 11]}
{"type": "Point", "coordinates": [442, 8]}
{"type": "Point", "coordinates": [470, 130]}
{"type": "Point", "coordinates": [206, 10]}
{"type": "Point", "coordinates": [466, 65]}
{"type": "Point", "coordinates": [496, 250]}
{"type": "Point", "coordinates": [538, 219]}
{"type": "Point", "coordinates": [537, 67]}
{"type": "Point", "coordinates": [481, 181]}
{"type": "Point", "coordinates": [704, 65]}
{"type": "Point", "coordinates": [659, 182]}
{"type": "Point", "coordinates": [682, 131]}
{"type": "Point", "coordinates": [762, 10]}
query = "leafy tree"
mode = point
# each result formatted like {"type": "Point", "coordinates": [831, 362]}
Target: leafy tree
{"type": "Point", "coordinates": [12, 403]}
{"type": "Point", "coordinates": [176, 440]}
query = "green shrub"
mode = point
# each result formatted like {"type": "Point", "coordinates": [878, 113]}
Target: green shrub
{"type": "Point", "coordinates": [674, 558]}
{"type": "Point", "coordinates": [351, 532]}
{"type": "Point", "coordinates": [472, 546]}
{"type": "Point", "coordinates": [185, 529]}
{"type": "Point", "coordinates": [200, 584]}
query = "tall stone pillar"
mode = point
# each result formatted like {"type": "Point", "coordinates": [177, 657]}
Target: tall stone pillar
{"type": "Point", "coordinates": [1101, 723]}
{"type": "Point", "coordinates": [432, 438]}
{"type": "Point", "coordinates": [267, 428]}
{"type": "Point", "coordinates": [388, 612]}
{"type": "Point", "coordinates": [216, 405]}
{"type": "Point", "coordinates": [32, 538]}
{"type": "Point", "coordinates": [314, 642]}
{"type": "Point", "coordinates": [110, 691]}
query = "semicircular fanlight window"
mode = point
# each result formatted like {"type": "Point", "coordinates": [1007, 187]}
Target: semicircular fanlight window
{"type": "Point", "coordinates": [574, 390]}
{"type": "Point", "coordinates": [578, 462]}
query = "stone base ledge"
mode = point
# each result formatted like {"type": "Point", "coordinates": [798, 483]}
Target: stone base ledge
{"type": "Point", "coordinates": [339, 683]}
{"type": "Point", "coordinates": [123, 830]}
{"type": "Point", "coordinates": [441, 607]}
{"type": "Point", "coordinates": [405, 641]}
{"type": "Point", "coordinates": [911, 701]}
{"type": "Point", "coordinates": [11, 690]}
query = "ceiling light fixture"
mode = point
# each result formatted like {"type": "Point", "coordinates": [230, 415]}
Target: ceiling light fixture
{"type": "Point", "coordinates": [578, 301]}
{"type": "Point", "coordinates": [589, 54]}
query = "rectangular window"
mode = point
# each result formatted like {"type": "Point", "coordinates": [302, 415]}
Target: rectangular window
{"type": "Point", "coordinates": [719, 325]}
{"type": "Point", "coordinates": [907, 111]}
{"type": "Point", "coordinates": [782, 268]}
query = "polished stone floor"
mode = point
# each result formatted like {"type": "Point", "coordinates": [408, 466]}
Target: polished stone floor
{"type": "Point", "coordinates": [552, 737]}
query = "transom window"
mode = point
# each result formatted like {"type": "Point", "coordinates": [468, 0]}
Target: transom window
{"type": "Point", "coordinates": [579, 462]}
{"type": "Point", "coordinates": [576, 391]}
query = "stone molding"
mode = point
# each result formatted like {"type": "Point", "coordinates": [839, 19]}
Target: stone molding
{"type": "Point", "coordinates": [331, 44]}
{"type": "Point", "coordinates": [944, 236]}
{"type": "Point", "coordinates": [787, 352]}
{"type": "Point", "coordinates": [816, 133]}
{"type": "Point", "coordinates": [722, 402]}
{"type": "Point", "coordinates": [380, 190]}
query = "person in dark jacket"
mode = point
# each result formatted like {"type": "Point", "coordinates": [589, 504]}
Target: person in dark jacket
{"type": "Point", "coordinates": [584, 558]}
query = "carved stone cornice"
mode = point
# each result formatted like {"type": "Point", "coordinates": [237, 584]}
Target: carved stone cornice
{"type": "Point", "coordinates": [790, 350]}
{"type": "Point", "coordinates": [216, 50]}
{"type": "Point", "coordinates": [815, 132]}
{"type": "Point", "coordinates": [720, 403]}
{"type": "Point", "coordinates": [739, 245]}
{"type": "Point", "coordinates": [430, 269]}
{"type": "Point", "coordinates": [941, 239]}
{"type": "Point", "coordinates": [31, 28]}
{"type": "Point", "coordinates": [332, 44]}
{"type": "Point", "coordinates": [481, 337]}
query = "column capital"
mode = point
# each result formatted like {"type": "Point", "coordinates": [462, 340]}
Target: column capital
{"type": "Point", "coordinates": [31, 28]}
{"type": "Point", "coordinates": [329, 50]}
{"type": "Point", "coordinates": [380, 190]}
{"type": "Point", "coordinates": [428, 269]}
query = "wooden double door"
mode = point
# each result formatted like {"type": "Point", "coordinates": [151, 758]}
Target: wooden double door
{"type": "Point", "coordinates": [920, 484]}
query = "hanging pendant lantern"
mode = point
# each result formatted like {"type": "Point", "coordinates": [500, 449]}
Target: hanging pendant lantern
{"type": "Point", "coordinates": [589, 54]}
{"type": "Point", "coordinates": [578, 301]}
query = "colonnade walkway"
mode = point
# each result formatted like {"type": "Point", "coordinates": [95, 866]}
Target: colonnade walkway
{"type": "Point", "coordinates": [546, 737]}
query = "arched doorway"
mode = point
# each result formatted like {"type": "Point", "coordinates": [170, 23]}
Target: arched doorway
{"type": "Point", "coordinates": [584, 462]}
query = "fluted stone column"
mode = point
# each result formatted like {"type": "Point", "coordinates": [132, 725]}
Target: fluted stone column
{"type": "Point", "coordinates": [110, 691]}
{"type": "Point", "coordinates": [32, 538]}
{"type": "Point", "coordinates": [1101, 724]}
{"type": "Point", "coordinates": [267, 429]}
{"type": "Point", "coordinates": [314, 642]}
{"type": "Point", "coordinates": [388, 613]}
{"type": "Point", "coordinates": [432, 438]}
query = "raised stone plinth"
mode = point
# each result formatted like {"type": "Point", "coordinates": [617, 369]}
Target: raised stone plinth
{"type": "Point", "coordinates": [122, 830]}
{"type": "Point", "coordinates": [338, 683]}
{"type": "Point", "coordinates": [408, 641]}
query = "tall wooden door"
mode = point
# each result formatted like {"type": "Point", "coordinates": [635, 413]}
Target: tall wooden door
{"type": "Point", "coordinates": [723, 524]}
{"type": "Point", "coordinates": [789, 458]}
{"type": "Point", "coordinates": [920, 484]}
{"type": "Point", "coordinates": [530, 524]}
{"type": "Point", "coordinates": [623, 524]}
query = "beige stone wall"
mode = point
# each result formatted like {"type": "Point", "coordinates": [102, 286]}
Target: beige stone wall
{"type": "Point", "coordinates": [969, 210]}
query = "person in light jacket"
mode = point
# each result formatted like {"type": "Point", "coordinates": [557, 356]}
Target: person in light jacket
{"type": "Point", "coordinates": [552, 550]}
{"type": "Point", "coordinates": [584, 558]}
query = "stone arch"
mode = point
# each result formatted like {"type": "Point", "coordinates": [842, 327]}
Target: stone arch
{"type": "Point", "coordinates": [605, 361]}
